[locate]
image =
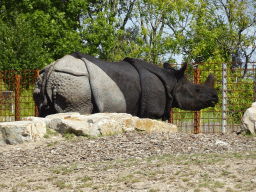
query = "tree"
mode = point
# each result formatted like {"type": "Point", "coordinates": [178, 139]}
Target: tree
{"type": "Point", "coordinates": [117, 29]}
{"type": "Point", "coordinates": [35, 33]}
{"type": "Point", "coordinates": [54, 26]}
{"type": "Point", "coordinates": [213, 29]}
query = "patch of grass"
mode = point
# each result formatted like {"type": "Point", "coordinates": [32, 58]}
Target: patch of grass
{"type": "Point", "coordinates": [153, 190]}
{"type": "Point", "coordinates": [135, 180]}
{"type": "Point", "coordinates": [21, 185]}
{"type": "Point", "coordinates": [152, 173]}
{"type": "Point", "coordinates": [205, 184]}
{"type": "Point", "coordinates": [86, 179]}
{"type": "Point", "coordinates": [224, 173]}
{"type": "Point", "coordinates": [39, 187]}
{"type": "Point", "coordinates": [185, 179]}
{"type": "Point", "coordinates": [50, 132]}
{"type": "Point", "coordinates": [90, 137]}
{"type": "Point", "coordinates": [248, 134]}
{"type": "Point", "coordinates": [218, 184]}
{"type": "Point", "coordinates": [177, 173]}
{"type": "Point", "coordinates": [110, 187]}
{"type": "Point", "coordinates": [51, 144]}
{"type": "Point", "coordinates": [69, 136]}
{"type": "Point", "coordinates": [238, 185]}
{"type": "Point", "coordinates": [109, 167]}
{"type": "Point", "coordinates": [63, 170]}
{"type": "Point", "coordinates": [238, 156]}
{"type": "Point", "coordinates": [51, 178]}
{"type": "Point", "coordinates": [3, 185]}
{"type": "Point", "coordinates": [69, 186]}
{"type": "Point", "coordinates": [60, 184]}
{"type": "Point", "coordinates": [89, 184]}
{"type": "Point", "coordinates": [191, 184]}
{"type": "Point", "coordinates": [95, 187]}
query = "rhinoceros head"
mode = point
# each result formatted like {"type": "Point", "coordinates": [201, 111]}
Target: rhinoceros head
{"type": "Point", "coordinates": [190, 96]}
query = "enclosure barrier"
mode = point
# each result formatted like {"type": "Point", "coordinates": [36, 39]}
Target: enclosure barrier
{"type": "Point", "coordinates": [21, 84]}
{"type": "Point", "coordinates": [236, 93]}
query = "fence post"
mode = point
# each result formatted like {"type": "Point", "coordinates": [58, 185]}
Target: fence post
{"type": "Point", "coordinates": [17, 97]}
{"type": "Point", "coordinates": [197, 113]}
{"type": "Point", "coordinates": [36, 107]}
{"type": "Point", "coordinates": [224, 97]}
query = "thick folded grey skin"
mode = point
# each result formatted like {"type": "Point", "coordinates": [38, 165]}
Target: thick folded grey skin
{"type": "Point", "coordinates": [84, 84]}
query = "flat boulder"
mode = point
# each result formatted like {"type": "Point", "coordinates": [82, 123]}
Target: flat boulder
{"type": "Point", "coordinates": [249, 120]}
{"type": "Point", "coordinates": [20, 131]}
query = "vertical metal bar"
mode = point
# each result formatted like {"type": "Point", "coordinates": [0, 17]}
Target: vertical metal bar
{"type": "Point", "coordinates": [36, 107]}
{"type": "Point", "coordinates": [171, 118]}
{"type": "Point", "coordinates": [224, 98]}
{"type": "Point", "coordinates": [197, 113]}
{"type": "Point", "coordinates": [17, 97]}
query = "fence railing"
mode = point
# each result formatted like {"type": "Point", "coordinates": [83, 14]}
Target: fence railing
{"type": "Point", "coordinates": [16, 91]}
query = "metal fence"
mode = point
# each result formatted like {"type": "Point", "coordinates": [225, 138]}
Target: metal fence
{"type": "Point", "coordinates": [16, 94]}
{"type": "Point", "coordinates": [236, 91]}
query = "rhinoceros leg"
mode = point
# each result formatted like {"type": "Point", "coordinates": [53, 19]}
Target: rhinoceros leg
{"type": "Point", "coordinates": [70, 93]}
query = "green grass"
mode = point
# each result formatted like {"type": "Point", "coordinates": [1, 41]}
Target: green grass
{"type": "Point", "coordinates": [86, 179]}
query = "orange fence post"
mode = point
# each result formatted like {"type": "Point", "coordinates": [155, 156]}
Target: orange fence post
{"type": "Point", "coordinates": [197, 113]}
{"type": "Point", "coordinates": [17, 97]}
{"type": "Point", "coordinates": [36, 108]}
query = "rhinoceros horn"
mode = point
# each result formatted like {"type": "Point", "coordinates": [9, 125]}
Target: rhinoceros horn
{"type": "Point", "coordinates": [210, 81]}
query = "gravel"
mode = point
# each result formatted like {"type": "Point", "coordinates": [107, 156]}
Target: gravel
{"type": "Point", "coordinates": [107, 162]}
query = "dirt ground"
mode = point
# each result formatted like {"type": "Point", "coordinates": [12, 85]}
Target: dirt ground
{"type": "Point", "coordinates": [132, 161]}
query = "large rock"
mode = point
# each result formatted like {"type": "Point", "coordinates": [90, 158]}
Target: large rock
{"type": "Point", "coordinates": [249, 119]}
{"type": "Point", "coordinates": [20, 131]}
{"type": "Point", "coordinates": [106, 124]}
{"type": "Point", "coordinates": [34, 128]}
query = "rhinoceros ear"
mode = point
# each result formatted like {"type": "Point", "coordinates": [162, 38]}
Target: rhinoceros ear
{"type": "Point", "coordinates": [184, 67]}
{"type": "Point", "coordinates": [180, 73]}
{"type": "Point", "coordinates": [167, 65]}
{"type": "Point", "coordinates": [210, 81]}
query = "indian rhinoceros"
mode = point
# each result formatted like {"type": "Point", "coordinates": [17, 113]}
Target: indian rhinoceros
{"type": "Point", "coordinates": [82, 83]}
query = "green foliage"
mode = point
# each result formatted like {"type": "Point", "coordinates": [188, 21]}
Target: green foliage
{"type": "Point", "coordinates": [35, 33]}
{"type": "Point", "coordinates": [20, 47]}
